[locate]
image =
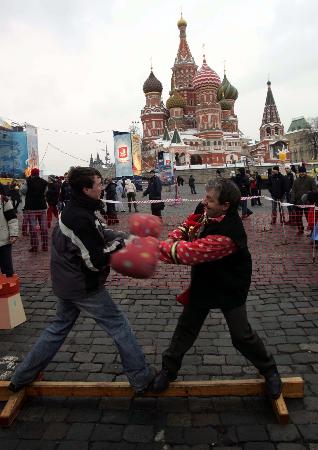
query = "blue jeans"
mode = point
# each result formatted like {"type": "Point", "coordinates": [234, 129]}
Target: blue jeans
{"type": "Point", "coordinates": [109, 316]}
{"type": "Point", "coordinates": [245, 209]}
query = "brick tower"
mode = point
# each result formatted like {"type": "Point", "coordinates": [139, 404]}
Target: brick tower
{"type": "Point", "coordinates": [183, 72]}
{"type": "Point", "coordinates": [271, 127]}
{"type": "Point", "coordinates": [154, 115]}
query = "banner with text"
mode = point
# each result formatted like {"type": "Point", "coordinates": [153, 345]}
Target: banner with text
{"type": "Point", "coordinates": [136, 153]}
{"type": "Point", "coordinates": [122, 154]}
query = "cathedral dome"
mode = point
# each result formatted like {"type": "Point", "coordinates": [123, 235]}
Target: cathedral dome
{"type": "Point", "coordinates": [152, 84]}
{"type": "Point", "coordinates": [175, 101]}
{"type": "Point", "coordinates": [226, 90]}
{"type": "Point", "coordinates": [206, 77]}
{"type": "Point", "coordinates": [182, 22]}
{"type": "Point", "coordinates": [225, 104]}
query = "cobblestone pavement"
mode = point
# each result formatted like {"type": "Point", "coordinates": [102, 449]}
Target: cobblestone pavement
{"type": "Point", "coordinates": [283, 308]}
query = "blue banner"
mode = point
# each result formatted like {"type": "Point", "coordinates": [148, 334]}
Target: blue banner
{"type": "Point", "coordinates": [13, 153]}
{"type": "Point", "coordinates": [165, 167]}
{"type": "Point", "coordinates": [122, 154]}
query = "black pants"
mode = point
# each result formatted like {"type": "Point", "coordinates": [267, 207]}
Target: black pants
{"type": "Point", "coordinates": [192, 187]}
{"type": "Point", "coordinates": [155, 211]}
{"type": "Point", "coordinates": [244, 339]}
{"type": "Point", "coordinates": [6, 265]}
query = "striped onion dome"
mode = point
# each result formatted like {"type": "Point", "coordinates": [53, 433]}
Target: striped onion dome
{"type": "Point", "coordinates": [206, 77]}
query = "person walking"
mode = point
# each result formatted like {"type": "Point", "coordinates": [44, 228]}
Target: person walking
{"type": "Point", "coordinates": [65, 192]}
{"type": "Point", "coordinates": [215, 246]}
{"type": "Point", "coordinates": [14, 194]}
{"type": "Point", "coordinates": [243, 183]}
{"type": "Point", "coordinates": [289, 182]}
{"type": "Point", "coordinates": [110, 194]}
{"type": "Point", "coordinates": [277, 189]}
{"type": "Point", "coordinates": [35, 209]}
{"type": "Point", "coordinates": [119, 196]}
{"type": "Point", "coordinates": [258, 179]}
{"type": "Point", "coordinates": [52, 199]}
{"type": "Point", "coordinates": [302, 185]}
{"type": "Point", "coordinates": [9, 232]}
{"type": "Point", "coordinates": [192, 184]}
{"type": "Point", "coordinates": [154, 191]}
{"type": "Point", "coordinates": [131, 192]}
{"type": "Point", "coordinates": [81, 250]}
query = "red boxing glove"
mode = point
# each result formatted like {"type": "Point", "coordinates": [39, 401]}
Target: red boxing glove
{"type": "Point", "coordinates": [138, 259]}
{"type": "Point", "coordinates": [145, 225]}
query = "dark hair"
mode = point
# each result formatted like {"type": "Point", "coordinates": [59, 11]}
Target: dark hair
{"type": "Point", "coordinates": [81, 177]}
{"type": "Point", "coordinates": [227, 191]}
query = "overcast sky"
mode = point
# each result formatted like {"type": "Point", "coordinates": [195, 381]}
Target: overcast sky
{"type": "Point", "coordinates": [80, 65]}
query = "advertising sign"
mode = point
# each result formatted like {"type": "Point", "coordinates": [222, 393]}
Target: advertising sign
{"type": "Point", "coordinates": [13, 153]}
{"type": "Point", "coordinates": [165, 167]}
{"type": "Point", "coordinates": [122, 154]}
{"type": "Point", "coordinates": [136, 153]}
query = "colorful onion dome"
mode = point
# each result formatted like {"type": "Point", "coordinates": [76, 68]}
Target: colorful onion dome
{"type": "Point", "coordinates": [225, 104]}
{"type": "Point", "coordinates": [152, 84]}
{"type": "Point", "coordinates": [182, 22]}
{"type": "Point", "coordinates": [227, 90]}
{"type": "Point", "coordinates": [175, 101]}
{"type": "Point", "coordinates": [206, 77]}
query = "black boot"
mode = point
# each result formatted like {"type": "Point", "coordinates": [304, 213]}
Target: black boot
{"type": "Point", "coordinates": [162, 380]}
{"type": "Point", "coordinates": [273, 385]}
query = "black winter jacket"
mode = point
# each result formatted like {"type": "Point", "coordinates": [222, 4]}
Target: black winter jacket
{"type": "Point", "coordinates": [277, 185]}
{"type": "Point", "coordinates": [35, 196]}
{"type": "Point", "coordinates": [81, 248]}
{"type": "Point", "coordinates": [154, 188]}
{"type": "Point", "coordinates": [223, 283]}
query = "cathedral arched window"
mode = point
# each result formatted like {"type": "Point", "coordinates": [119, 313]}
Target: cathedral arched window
{"type": "Point", "coordinates": [276, 131]}
{"type": "Point", "coordinates": [268, 131]}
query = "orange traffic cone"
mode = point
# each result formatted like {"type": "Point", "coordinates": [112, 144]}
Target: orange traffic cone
{"type": "Point", "coordinates": [11, 308]}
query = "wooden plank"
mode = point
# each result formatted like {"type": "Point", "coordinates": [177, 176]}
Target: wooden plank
{"type": "Point", "coordinates": [280, 409]}
{"type": "Point", "coordinates": [12, 408]}
{"type": "Point", "coordinates": [293, 387]}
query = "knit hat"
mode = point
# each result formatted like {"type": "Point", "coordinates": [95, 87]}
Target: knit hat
{"type": "Point", "coordinates": [302, 169]}
{"type": "Point", "coordinates": [35, 172]}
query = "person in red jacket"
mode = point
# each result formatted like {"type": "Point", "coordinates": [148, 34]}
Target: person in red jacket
{"type": "Point", "coordinates": [214, 244]}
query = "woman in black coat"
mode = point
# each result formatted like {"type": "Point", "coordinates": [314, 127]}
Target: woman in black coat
{"type": "Point", "coordinates": [110, 194]}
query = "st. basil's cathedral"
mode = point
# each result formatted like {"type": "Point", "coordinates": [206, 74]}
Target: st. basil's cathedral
{"type": "Point", "coordinates": [198, 124]}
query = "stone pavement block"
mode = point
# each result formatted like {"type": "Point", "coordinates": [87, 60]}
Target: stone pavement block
{"type": "Point", "coordinates": [290, 446]}
{"type": "Point", "coordinates": [199, 405]}
{"type": "Point", "coordinates": [138, 433]}
{"type": "Point", "coordinates": [80, 431]}
{"type": "Point", "coordinates": [147, 417]}
{"type": "Point", "coordinates": [252, 433]}
{"type": "Point", "coordinates": [172, 404]}
{"type": "Point", "coordinates": [173, 435]}
{"type": "Point", "coordinates": [57, 414]}
{"type": "Point", "coordinates": [55, 431]}
{"type": "Point", "coordinates": [117, 417]}
{"type": "Point", "coordinates": [84, 415]}
{"type": "Point", "coordinates": [200, 435]}
{"type": "Point", "coordinates": [9, 444]}
{"type": "Point", "coordinates": [179, 420]}
{"type": "Point", "coordinates": [287, 433]}
{"type": "Point", "coordinates": [32, 413]}
{"type": "Point", "coordinates": [311, 403]}
{"type": "Point", "coordinates": [112, 446]}
{"type": "Point", "coordinates": [36, 445]}
{"type": "Point", "coordinates": [301, 417]}
{"type": "Point", "coordinates": [115, 403]}
{"type": "Point", "coordinates": [309, 432]}
{"type": "Point", "coordinates": [204, 419]}
{"type": "Point", "coordinates": [234, 418]}
{"type": "Point", "coordinates": [73, 445]}
{"type": "Point", "coordinates": [144, 403]}
{"type": "Point", "coordinates": [31, 430]}
{"type": "Point", "coordinates": [259, 446]}
{"type": "Point", "coordinates": [111, 433]}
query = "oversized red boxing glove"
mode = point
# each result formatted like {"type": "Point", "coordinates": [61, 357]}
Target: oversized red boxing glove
{"type": "Point", "coordinates": [145, 225]}
{"type": "Point", "coordinates": [138, 259]}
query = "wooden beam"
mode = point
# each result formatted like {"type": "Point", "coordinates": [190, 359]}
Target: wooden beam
{"type": "Point", "coordinates": [292, 388]}
{"type": "Point", "coordinates": [12, 408]}
{"type": "Point", "coordinates": [281, 411]}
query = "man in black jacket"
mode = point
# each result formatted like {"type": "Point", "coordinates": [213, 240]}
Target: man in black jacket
{"type": "Point", "coordinates": [35, 209]}
{"type": "Point", "coordinates": [277, 188]}
{"type": "Point", "coordinates": [154, 191]}
{"type": "Point", "coordinates": [243, 183]}
{"type": "Point", "coordinates": [220, 279]}
{"type": "Point", "coordinates": [81, 250]}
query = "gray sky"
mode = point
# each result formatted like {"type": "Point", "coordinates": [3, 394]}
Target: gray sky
{"type": "Point", "coordinates": [79, 65]}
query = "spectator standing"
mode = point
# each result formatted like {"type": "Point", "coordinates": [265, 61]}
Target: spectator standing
{"type": "Point", "coordinates": [258, 179]}
{"type": "Point", "coordinates": [130, 190]}
{"type": "Point", "coordinates": [154, 191]}
{"type": "Point", "coordinates": [65, 192]}
{"type": "Point", "coordinates": [9, 232]}
{"type": "Point", "coordinates": [52, 199]}
{"type": "Point", "coordinates": [289, 182]}
{"type": "Point", "coordinates": [192, 184]}
{"type": "Point", "coordinates": [35, 209]}
{"type": "Point", "coordinates": [119, 195]}
{"type": "Point", "coordinates": [302, 185]}
{"type": "Point", "coordinates": [14, 194]}
{"type": "Point", "coordinates": [277, 189]}
{"type": "Point", "coordinates": [110, 194]}
{"type": "Point", "coordinates": [243, 184]}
